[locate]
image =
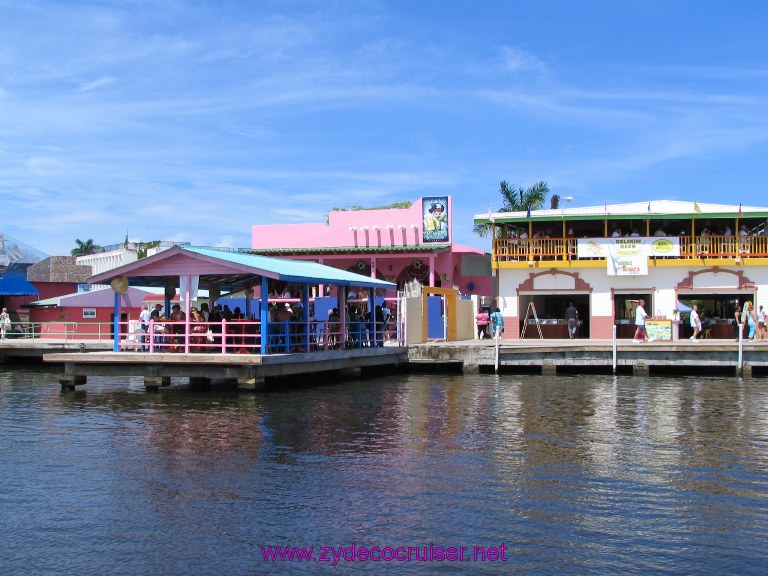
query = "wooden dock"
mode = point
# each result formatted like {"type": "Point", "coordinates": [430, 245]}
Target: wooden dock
{"type": "Point", "coordinates": [246, 370]}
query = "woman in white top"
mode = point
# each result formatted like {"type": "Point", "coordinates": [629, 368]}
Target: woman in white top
{"type": "Point", "coordinates": [5, 322]}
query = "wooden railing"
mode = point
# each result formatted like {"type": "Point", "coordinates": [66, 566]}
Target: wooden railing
{"type": "Point", "coordinates": [691, 247]}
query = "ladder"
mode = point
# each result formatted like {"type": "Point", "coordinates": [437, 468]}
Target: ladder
{"type": "Point", "coordinates": [531, 309]}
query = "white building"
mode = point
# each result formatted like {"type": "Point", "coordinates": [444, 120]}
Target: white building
{"type": "Point", "coordinates": [605, 259]}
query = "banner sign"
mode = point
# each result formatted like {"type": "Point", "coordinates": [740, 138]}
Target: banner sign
{"type": "Point", "coordinates": [435, 214]}
{"type": "Point", "coordinates": [628, 246]}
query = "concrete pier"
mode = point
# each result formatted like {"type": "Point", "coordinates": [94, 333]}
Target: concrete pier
{"type": "Point", "coordinates": [574, 356]}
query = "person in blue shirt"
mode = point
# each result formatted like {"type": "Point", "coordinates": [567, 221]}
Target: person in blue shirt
{"type": "Point", "coordinates": [497, 321]}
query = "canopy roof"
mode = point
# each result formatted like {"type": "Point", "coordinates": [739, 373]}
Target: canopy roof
{"type": "Point", "coordinates": [13, 285]}
{"type": "Point", "coordinates": [227, 270]}
{"type": "Point", "coordinates": [648, 209]}
{"type": "Point", "coordinates": [97, 298]}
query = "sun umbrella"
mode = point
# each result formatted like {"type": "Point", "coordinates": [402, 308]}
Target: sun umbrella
{"type": "Point", "coordinates": [683, 308]}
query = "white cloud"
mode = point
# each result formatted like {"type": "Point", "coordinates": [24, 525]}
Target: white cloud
{"type": "Point", "coordinates": [101, 82]}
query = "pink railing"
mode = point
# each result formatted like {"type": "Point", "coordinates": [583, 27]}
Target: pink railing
{"type": "Point", "coordinates": [245, 336]}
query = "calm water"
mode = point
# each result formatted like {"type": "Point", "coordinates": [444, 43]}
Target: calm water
{"type": "Point", "coordinates": [573, 475]}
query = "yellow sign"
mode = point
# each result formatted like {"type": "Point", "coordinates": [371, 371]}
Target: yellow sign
{"type": "Point", "coordinates": [659, 329]}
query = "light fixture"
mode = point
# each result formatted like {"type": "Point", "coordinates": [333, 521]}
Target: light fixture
{"type": "Point", "coordinates": [376, 228]}
{"type": "Point", "coordinates": [414, 227]}
{"type": "Point", "coordinates": [530, 263]}
{"type": "Point", "coordinates": [352, 229]}
{"type": "Point", "coordinates": [364, 228]}
{"type": "Point", "coordinates": [389, 227]}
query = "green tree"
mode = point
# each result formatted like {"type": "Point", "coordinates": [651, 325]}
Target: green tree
{"type": "Point", "coordinates": [85, 248]}
{"type": "Point", "coordinates": [520, 200]}
{"type": "Point", "coordinates": [517, 200]}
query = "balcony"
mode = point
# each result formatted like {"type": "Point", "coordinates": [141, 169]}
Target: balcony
{"type": "Point", "coordinates": [567, 249]}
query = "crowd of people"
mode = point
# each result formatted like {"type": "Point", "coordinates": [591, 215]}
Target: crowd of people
{"type": "Point", "coordinates": [287, 328]}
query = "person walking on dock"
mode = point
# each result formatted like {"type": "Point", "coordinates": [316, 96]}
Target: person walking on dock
{"type": "Point", "coordinates": [482, 320]}
{"type": "Point", "coordinates": [497, 321]}
{"type": "Point", "coordinates": [640, 316]}
{"type": "Point", "coordinates": [695, 323]}
{"type": "Point", "coordinates": [572, 317]}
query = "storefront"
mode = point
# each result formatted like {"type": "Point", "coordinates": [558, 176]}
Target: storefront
{"type": "Point", "coordinates": [671, 254]}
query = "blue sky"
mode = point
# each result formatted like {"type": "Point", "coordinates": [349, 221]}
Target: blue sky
{"type": "Point", "coordinates": [192, 121]}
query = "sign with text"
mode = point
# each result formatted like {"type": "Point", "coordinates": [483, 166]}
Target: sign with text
{"type": "Point", "coordinates": [627, 264]}
{"type": "Point", "coordinates": [628, 246]}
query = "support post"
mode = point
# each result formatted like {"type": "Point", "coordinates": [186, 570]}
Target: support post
{"type": "Point", "coordinates": [155, 382]}
{"type": "Point", "coordinates": [69, 381]}
{"type": "Point", "coordinates": [264, 314]}
{"type": "Point", "coordinates": [116, 325]}
{"type": "Point", "coordinates": [640, 369]}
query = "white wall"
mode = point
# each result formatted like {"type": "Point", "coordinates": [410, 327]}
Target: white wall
{"type": "Point", "coordinates": [661, 282]}
{"type": "Point", "coordinates": [414, 333]}
{"type": "Point", "coordinates": [465, 320]}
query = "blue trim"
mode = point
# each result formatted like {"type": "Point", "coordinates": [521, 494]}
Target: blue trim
{"type": "Point", "coordinates": [116, 330]}
{"type": "Point", "coordinates": [264, 314]}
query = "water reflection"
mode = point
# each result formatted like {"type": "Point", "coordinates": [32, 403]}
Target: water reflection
{"type": "Point", "coordinates": [585, 474]}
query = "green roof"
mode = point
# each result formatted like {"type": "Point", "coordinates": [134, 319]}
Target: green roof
{"type": "Point", "coordinates": [351, 249]}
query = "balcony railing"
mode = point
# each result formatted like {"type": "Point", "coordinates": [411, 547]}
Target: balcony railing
{"type": "Point", "coordinates": [691, 247]}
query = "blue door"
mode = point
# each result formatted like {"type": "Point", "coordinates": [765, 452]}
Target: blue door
{"type": "Point", "coordinates": [435, 312]}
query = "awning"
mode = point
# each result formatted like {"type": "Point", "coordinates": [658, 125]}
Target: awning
{"type": "Point", "coordinates": [16, 286]}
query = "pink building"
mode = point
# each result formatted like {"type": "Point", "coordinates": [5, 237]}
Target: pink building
{"type": "Point", "coordinates": [396, 244]}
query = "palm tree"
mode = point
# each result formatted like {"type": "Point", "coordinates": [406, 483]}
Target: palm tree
{"type": "Point", "coordinates": [520, 200]}
{"type": "Point", "coordinates": [523, 200]}
{"type": "Point", "coordinates": [85, 248]}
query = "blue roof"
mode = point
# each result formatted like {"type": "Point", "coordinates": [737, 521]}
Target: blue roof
{"type": "Point", "coordinates": [12, 285]}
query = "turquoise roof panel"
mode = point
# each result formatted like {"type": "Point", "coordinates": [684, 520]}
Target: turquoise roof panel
{"type": "Point", "coordinates": [232, 270]}
{"type": "Point", "coordinates": [299, 271]}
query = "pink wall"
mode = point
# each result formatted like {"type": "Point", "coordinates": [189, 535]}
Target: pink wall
{"type": "Point", "coordinates": [394, 227]}
{"type": "Point", "coordinates": [337, 232]}
{"type": "Point", "coordinates": [86, 328]}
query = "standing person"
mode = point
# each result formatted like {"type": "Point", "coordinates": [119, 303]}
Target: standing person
{"type": "Point", "coordinates": [739, 321]}
{"type": "Point", "coordinates": [572, 316]}
{"type": "Point", "coordinates": [750, 319]}
{"type": "Point", "coordinates": [144, 317]}
{"type": "Point", "coordinates": [497, 321]}
{"type": "Point", "coordinates": [761, 323]}
{"type": "Point", "coordinates": [482, 320]}
{"type": "Point", "coordinates": [640, 316]}
{"type": "Point", "coordinates": [695, 323]}
{"type": "Point", "coordinates": [378, 315]}
{"type": "Point", "coordinates": [5, 322]}
{"type": "Point", "coordinates": [387, 314]}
